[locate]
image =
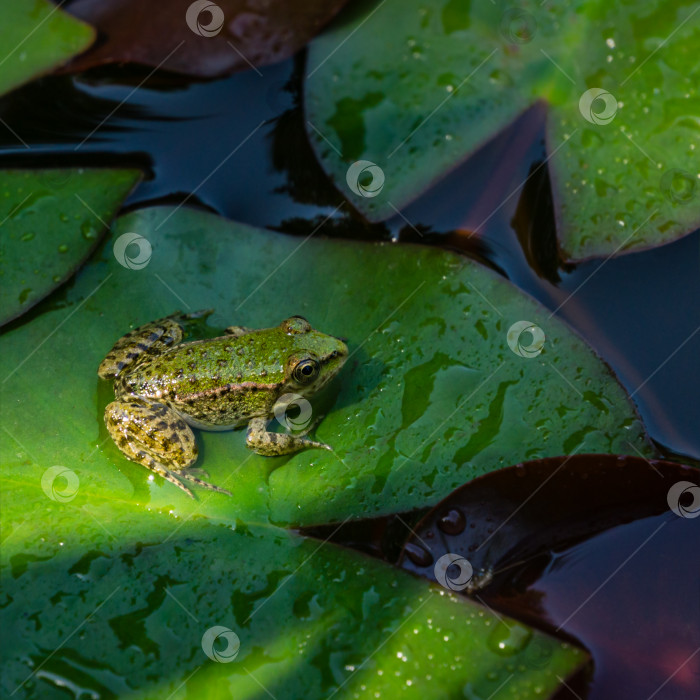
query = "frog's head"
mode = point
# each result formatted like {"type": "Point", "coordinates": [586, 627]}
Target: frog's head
{"type": "Point", "coordinates": [315, 359]}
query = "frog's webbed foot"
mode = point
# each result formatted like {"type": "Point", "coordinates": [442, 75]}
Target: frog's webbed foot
{"type": "Point", "coordinates": [270, 444]}
{"type": "Point", "coordinates": [156, 437]}
{"type": "Point", "coordinates": [151, 338]}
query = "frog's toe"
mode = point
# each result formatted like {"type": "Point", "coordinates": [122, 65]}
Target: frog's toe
{"type": "Point", "coordinates": [204, 484]}
{"type": "Point", "coordinates": [168, 476]}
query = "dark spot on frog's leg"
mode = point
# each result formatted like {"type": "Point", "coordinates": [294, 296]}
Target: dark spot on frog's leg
{"type": "Point", "coordinates": [161, 425]}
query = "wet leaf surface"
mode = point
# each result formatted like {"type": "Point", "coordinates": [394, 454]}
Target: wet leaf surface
{"type": "Point", "coordinates": [50, 222]}
{"type": "Point", "coordinates": [431, 397]}
{"type": "Point", "coordinates": [544, 538]}
{"type": "Point", "coordinates": [415, 88]}
{"type": "Point", "coordinates": [203, 38]}
{"type": "Point", "coordinates": [125, 598]}
{"type": "Point", "coordinates": [36, 37]}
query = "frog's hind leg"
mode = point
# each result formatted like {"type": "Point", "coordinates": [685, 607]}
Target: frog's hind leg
{"type": "Point", "coordinates": [153, 435]}
{"type": "Point", "coordinates": [151, 338]}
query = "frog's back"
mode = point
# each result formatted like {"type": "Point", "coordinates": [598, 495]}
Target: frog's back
{"type": "Point", "coordinates": [221, 382]}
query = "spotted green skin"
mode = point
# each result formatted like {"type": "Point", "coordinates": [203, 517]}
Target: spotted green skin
{"type": "Point", "coordinates": [163, 387]}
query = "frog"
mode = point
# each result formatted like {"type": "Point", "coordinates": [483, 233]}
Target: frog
{"type": "Point", "coordinates": [165, 387]}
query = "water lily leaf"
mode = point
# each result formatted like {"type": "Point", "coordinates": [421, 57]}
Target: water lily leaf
{"type": "Point", "coordinates": [561, 542]}
{"type": "Point", "coordinates": [50, 222]}
{"type": "Point", "coordinates": [200, 38]}
{"type": "Point", "coordinates": [36, 37]}
{"type": "Point", "coordinates": [413, 88]}
{"type": "Point", "coordinates": [151, 607]}
{"type": "Point", "coordinates": [431, 397]}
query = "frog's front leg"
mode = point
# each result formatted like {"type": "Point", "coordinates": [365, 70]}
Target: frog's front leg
{"type": "Point", "coordinates": [269, 444]}
{"type": "Point", "coordinates": [151, 338]}
{"type": "Point", "coordinates": [154, 435]}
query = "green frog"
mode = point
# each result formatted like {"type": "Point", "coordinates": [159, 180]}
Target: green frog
{"type": "Point", "coordinates": [164, 387]}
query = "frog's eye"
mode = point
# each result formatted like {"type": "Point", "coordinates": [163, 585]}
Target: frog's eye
{"type": "Point", "coordinates": [306, 371]}
{"type": "Point", "coordinates": [296, 324]}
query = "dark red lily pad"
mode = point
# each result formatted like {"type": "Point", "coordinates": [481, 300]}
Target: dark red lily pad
{"type": "Point", "coordinates": [200, 38]}
{"type": "Point", "coordinates": [599, 548]}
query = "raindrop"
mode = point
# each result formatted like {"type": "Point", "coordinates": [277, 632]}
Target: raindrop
{"type": "Point", "coordinates": [418, 555]}
{"type": "Point", "coordinates": [507, 639]}
{"type": "Point", "coordinates": [453, 522]}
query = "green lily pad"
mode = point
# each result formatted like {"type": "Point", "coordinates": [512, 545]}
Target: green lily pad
{"type": "Point", "coordinates": [431, 396]}
{"type": "Point", "coordinates": [114, 601]}
{"type": "Point", "coordinates": [412, 88]}
{"type": "Point", "coordinates": [36, 37]}
{"type": "Point", "coordinates": [50, 222]}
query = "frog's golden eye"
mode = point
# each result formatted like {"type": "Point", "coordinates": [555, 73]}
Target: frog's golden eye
{"type": "Point", "coordinates": [306, 371]}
